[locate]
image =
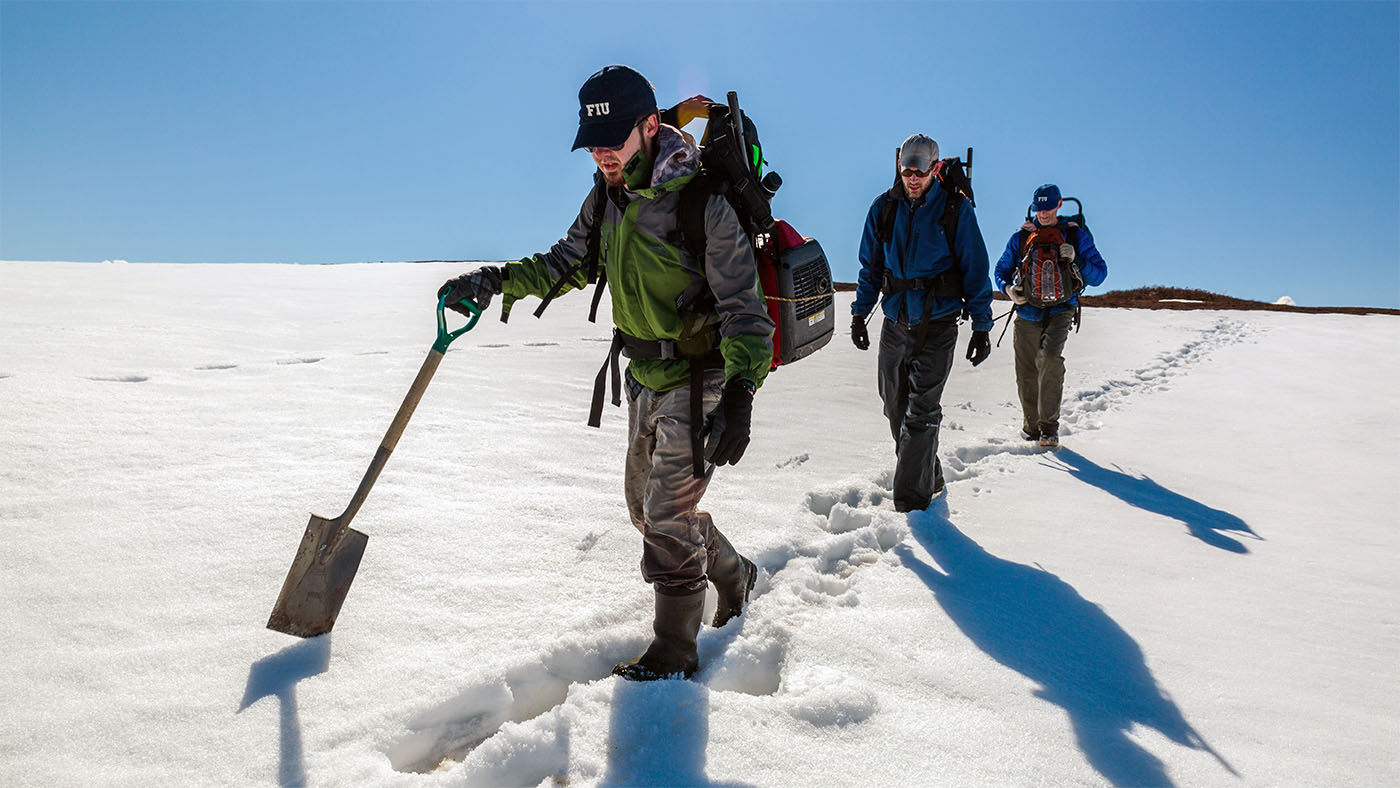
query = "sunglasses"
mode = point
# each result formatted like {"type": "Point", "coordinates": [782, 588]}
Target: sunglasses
{"type": "Point", "coordinates": [614, 148]}
{"type": "Point", "coordinates": [910, 172]}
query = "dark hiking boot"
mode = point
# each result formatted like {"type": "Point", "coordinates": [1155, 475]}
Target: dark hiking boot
{"type": "Point", "coordinates": [733, 594]}
{"type": "Point", "coordinates": [1030, 435]}
{"type": "Point", "coordinates": [939, 486]}
{"type": "Point", "coordinates": [1050, 441]}
{"type": "Point", "coordinates": [672, 653]}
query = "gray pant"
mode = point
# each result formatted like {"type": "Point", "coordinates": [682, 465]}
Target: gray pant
{"type": "Point", "coordinates": [911, 387]}
{"type": "Point", "coordinates": [1040, 370]}
{"type": "Point", "coordinates": [680, 544]}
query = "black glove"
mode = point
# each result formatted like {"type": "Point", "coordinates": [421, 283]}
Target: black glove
{"type": "Point", "coordinates": [477, 287]}
{"type": "Point", "coordinates": [727, 426]}
{"type": "Point", "coordinates": [979, 347]}
{"type": "Point", "coordinates": [859, 336]}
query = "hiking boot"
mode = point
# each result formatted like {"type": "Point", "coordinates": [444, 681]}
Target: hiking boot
{"type": "Point", "coordinates": [1030, 435]}
{"type": "Point", "coordinates": [672, 652]}
{"type": "Point", "coordinates": [939, 486]}
{"type": "Point", "coordinates": [908, 506]}
{"type": "Point", "coordinates": [1050, 440]}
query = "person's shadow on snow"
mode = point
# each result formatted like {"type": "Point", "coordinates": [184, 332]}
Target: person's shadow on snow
{"type": "Point", "coordinates": [277, 676]}
{"type": "Point", "coordinates": [1036, 624]}
{"type": "Point", "coordinates": [658, 734]}
{"type": "Point", "coordinates": [1202, 521]}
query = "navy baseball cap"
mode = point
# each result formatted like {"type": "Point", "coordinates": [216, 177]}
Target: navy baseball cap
{"type": "Point", "coordinates": [610, 102]}
{"type": "Point", "coordinates": [1047, 198]}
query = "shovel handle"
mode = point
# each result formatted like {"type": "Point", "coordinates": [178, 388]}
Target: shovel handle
{"type": "Point", "coordinates": [445, 337]}
{"type": "Point", "coordinates": [405, 412]}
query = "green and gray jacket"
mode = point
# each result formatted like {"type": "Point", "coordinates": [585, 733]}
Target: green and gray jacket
{"type": "Point", "coordinates": [646, 272]}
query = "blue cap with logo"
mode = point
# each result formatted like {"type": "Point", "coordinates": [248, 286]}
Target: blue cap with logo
{"type": "Point", "coordinates": [610, 103]}
{"type": "Point", "coordinates": [1047, 198]}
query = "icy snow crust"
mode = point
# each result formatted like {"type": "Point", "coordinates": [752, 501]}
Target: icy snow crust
{"type": "Point", "coordinates": [1197, 590]}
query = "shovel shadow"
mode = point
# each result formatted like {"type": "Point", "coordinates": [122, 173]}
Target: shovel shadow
{"type": "Point", "coordinates": [1036, 624]}
{"type": "Point", "coordinates": [277, 676]}
{"type": "Point", "coordinates": [1203, 522]}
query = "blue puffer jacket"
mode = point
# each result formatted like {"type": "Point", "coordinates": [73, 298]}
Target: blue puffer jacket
{"type": "Point", "coordinates": [916, 250]}
{"type": "Point", "coordinates": [1091, 266]}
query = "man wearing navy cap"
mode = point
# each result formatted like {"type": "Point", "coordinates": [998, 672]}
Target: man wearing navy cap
{"type": "Point", "coordinates": [712, 348]}
{"type": "Point", "coordinates": [1041, 333]}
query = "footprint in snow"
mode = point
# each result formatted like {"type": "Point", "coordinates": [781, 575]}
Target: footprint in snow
{"type": "Point", "coordinates": [122, 379]}
{"type": "Point", "coordinates": [445, 735]}
{"type": "Point", "coordinates": [793, 462]}
{"type": "Point", "coordinates": [288, 361]}
{"type": "Point", "coordinates": [217, 366]}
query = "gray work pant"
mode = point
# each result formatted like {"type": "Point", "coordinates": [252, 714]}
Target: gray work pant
{"type": "Point", "coordinates": [1040, 370]}
{"type": "Point", "coordinates": [680, 544]}
{"type": "Point", "coordinates": [911, 387]}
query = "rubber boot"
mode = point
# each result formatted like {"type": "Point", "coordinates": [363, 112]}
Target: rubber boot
{"type": "Point", "coordinates": [672, 652]}
{"type": "Point", "coordinates": [733, 576]}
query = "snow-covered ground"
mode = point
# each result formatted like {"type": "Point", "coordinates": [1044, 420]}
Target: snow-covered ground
{"type": "Point", "coordinates": [1199, 589]}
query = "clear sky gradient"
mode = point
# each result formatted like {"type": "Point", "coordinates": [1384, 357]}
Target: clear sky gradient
{"type": "Point", "coordinates": [1252, 149]}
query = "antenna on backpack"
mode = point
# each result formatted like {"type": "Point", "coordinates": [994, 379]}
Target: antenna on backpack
{"type": "Point", "coordinates": [736, 127]}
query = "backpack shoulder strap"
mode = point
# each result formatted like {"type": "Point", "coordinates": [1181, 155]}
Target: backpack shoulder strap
{"type": "Point", "coordinates": [884, 220]}
{"type": "Point", "coordinates": [695, 197]}
{"type": "Point", "coordinates": [951, 210]}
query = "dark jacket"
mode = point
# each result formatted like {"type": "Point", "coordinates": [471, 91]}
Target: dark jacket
{"type": "Point", "coordinates": [918, 249]}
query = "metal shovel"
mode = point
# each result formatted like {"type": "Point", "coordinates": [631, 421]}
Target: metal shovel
{"type": "Point", "coordinates": [330, 550]}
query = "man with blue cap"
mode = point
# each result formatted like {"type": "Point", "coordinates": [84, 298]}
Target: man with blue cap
{"type": "Point", "coordinates": [1041, 331]}
{"type": "Point", "coordinates": [695, 362]}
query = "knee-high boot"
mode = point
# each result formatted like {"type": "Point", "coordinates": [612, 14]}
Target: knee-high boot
{"type": "Point", "coordinates": [672, 653]}
{"type": "Point", "coordinates": [732, 574]}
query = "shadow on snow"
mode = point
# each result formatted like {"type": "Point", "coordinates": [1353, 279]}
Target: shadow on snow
{"type": "Point", "coordinates": [1202, 521]}
{"type": "Point", "coordinates": [658, 735]}
{"type": "Point", "coordinates": [277, 676]}
{"type": "Point", "coordinates": [1031, 621]}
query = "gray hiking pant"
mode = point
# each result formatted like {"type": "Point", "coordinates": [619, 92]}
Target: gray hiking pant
{"type": "Point", "coordinates": [911, 387]}
{"type": "Point", "coordinates": [680, 544]}
{"type": "Point", "coordinates": [1040, 370]}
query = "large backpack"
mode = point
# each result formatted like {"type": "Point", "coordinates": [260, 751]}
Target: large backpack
{"type": "Point", "coordinates": [792, 270]}
{"type": "Point", "coordinates": [1044, 278]}
{"type": "Point", "coordinates": [953, 176]}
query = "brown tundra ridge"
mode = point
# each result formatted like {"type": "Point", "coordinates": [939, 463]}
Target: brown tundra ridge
{"type": "Point", "coordinates": [1163, 297]}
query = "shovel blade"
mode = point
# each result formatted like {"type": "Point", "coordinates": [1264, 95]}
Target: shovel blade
{"type": "Point", "coordinates": [320, 577]}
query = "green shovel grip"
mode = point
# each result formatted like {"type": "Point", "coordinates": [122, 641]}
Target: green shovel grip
{"type": "Point", "coordinates": [445, 337]}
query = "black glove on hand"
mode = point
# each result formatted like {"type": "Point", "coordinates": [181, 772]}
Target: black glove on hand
{"type": "Point", "coordinates": [860, 337]}
{"type": "Point", "coordinates": [979, 347]}
{"type": "Point", "coordinates": [726, 429]}
{"type": "Point", "coordinates": [477, 287]}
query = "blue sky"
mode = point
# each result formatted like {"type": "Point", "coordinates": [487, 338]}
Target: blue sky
{"type": "Point", "coordinates": [1252, 149]}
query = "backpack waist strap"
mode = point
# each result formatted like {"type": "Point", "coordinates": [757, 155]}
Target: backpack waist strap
{"type": "Point", "coordinates": [944, 285]}
{"type": "Point", "coordinates": [633, 347]}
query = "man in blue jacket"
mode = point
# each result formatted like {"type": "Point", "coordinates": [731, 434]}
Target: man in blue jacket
{"type": "Point", "coordinates": [927, 283]}
{"type": "Point", "coordinates": [1041, 332]}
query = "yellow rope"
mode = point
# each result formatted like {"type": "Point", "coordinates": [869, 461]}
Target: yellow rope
{"type": "Point", "coordinates": [804, 298]}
